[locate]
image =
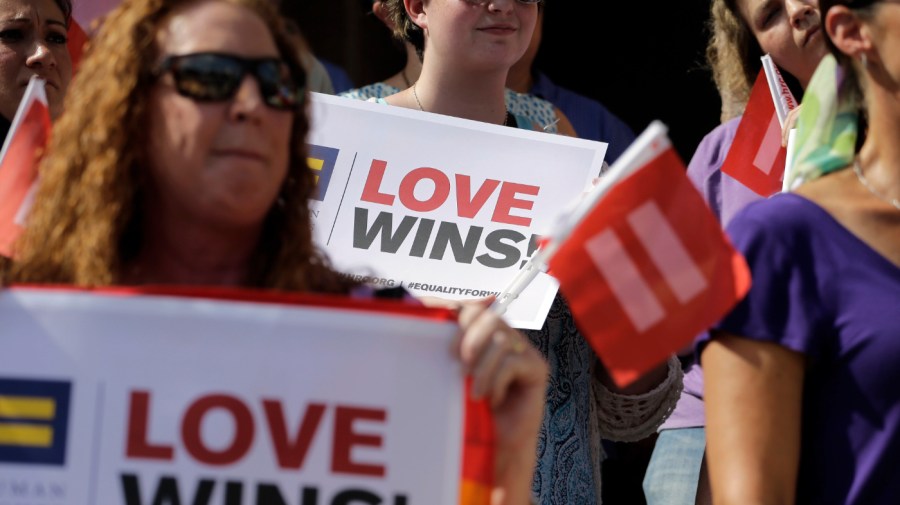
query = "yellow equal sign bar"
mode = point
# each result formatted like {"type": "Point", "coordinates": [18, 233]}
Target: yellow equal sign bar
{"type": "Point", "coordinates": [29, 435]}
{"type": "Point", "coordinates": [27, 407]}
{"type": "Point", "coordinates": [315, 164]}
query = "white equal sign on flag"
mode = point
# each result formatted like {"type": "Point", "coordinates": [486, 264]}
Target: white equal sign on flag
{"type": "Point", "coordinates": [667, 253]}
{"type": "Point", "coordinates": [766, 157]}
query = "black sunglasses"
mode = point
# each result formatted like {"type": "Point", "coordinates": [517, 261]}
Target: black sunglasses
{"type": "Point", "coordinates": [216, 77]}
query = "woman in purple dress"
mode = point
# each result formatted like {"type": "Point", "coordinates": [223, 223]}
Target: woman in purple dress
{"type": "Point", "coordinates": [802, 398]}
{"type": "Point", "coordinates": [742, 31]}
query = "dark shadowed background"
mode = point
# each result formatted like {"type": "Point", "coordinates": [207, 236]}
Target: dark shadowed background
{"type": "Point", "coordinates": [643, 60]}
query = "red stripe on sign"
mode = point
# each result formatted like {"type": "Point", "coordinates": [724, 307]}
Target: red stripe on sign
{"type": "Point", "coordinates": [478, 451]}
{"type": "Point", "coordinates": [395, 307]}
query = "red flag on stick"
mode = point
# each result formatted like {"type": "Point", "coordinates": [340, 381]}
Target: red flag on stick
{"type": "Point", "coordinates": [648, 268]}
{"type": "Point", "coordinates": [18, 162]}
{"type": "Point", "coordinates": [756, 158]}
{"type": "Point", "coordinates": [78, 39]}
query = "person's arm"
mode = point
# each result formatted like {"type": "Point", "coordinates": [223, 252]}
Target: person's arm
{"type": "Point", "coordinates": [512, 375]}
{"type": "Point", "coordinates": [634, 412]}
{"type": "Point", "coordinates": [753, 405]}
{"type": "Point", "coordinates": [645, 383]}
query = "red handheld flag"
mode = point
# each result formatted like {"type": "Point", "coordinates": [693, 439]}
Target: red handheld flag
{"type": "Point", "coordinates": [78, 39]}
{"type": "Point", "coordinates": [648, 268]}
{"type": "Point", "coordinates": [756, 158]}
{"type": "Point", "coordinates": [18, 162]}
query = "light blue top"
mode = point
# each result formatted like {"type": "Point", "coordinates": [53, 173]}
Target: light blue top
{"type": "Point", "coordinates": [537, 110]}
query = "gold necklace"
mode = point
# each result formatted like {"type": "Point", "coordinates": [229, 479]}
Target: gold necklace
{"type": "Point", "coordinates": [862, 179]}
{"type": "Point", "coordinates": [405, 79]}
{"type": "Point", "coordinates": [507, 120]}
{"type": "Point", "coordinates": [416, 96]}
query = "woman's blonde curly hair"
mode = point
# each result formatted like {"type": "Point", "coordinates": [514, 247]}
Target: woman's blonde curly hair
{"type": "Point", "coordinates": [734, 56]}
{"type": "Point", "coordinates": [86, 222]}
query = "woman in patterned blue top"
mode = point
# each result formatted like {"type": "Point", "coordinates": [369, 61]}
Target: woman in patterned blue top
{"type": "Point", "coordinates": [468, 47]}
{"type": "Point", "coordinates": [540, 111]}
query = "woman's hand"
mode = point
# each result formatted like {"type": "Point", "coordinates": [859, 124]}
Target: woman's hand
{"type": "Point", "coordinates": [442, 303]}
{"type": "Point", "coordinates": [790, 122]}
{"type": "Point", "coordinates": [511, 375]}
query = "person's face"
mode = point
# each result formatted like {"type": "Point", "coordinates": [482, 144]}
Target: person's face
{"type": "Point", "coordinates": [535, 44]}
{"type": "Point", "coordinates": [32, 42]}
{"type": "Point", "coordinates": [222, 163]}
{"type": "Point", "coordinates": [883, 29]}
{"type": "Point", "coordinates": [480, 33]}
{"type": "Point", "coordinates": [790, 31]}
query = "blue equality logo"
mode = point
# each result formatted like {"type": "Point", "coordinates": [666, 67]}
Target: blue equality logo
{"type": "Point", "coordinates": [321, 161]}
{"type": "Point", "coordinates": [34, 418]}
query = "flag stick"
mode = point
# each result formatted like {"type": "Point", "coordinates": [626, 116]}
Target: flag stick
{"type": "Point", "coordinates": [781, 94]}
{"type": "Point", "coordinates": [784, 103]}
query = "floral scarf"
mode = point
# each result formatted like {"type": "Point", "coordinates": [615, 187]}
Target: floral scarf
{"type": "Point", "coordinates": [827, 127]}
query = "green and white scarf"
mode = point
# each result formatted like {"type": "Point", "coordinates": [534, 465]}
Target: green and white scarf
{"type": "Point", "coordinates": [827, 127]}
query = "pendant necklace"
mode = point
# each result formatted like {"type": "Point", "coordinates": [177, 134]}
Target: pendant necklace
{"type": "Point", "coordinates": [405, 79]}
{"type": "Point", "coordinates": [507, 121]}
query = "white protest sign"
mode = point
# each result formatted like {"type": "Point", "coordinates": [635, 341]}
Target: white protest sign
{"type": "Point", "coordinates": [443, 206]}
{"type": "Point", "coordinates": [136, 399]}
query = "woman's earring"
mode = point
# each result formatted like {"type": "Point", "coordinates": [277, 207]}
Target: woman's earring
{"type": "Point", "coordinates": [864, 60]}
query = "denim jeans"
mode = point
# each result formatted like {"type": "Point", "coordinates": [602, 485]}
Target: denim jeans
{"type": "Point", "coordinates": [674, 468]}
